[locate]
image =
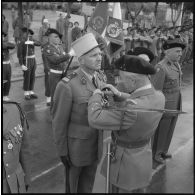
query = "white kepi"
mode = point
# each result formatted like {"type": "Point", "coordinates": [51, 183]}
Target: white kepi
{"type": "Point", "coordinates": [84, 44]}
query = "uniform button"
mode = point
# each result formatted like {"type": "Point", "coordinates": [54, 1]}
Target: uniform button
{"type": "Point", "coordinates": [6, 164]}
{"type": "Point", "coordinates": [8, 176]}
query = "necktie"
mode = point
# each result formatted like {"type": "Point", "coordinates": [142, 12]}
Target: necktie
{"type": "Point", "coordinates": [93, 81]}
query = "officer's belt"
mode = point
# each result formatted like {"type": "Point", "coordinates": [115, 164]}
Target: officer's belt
{"type": "Point", "coordinates": [130, 145]}
{"type": "Point", "coordinates": [33, 56]}
{"type": "Point", "coordinates": [6, 62]}
{"type": "Point", "coordinates": [56, 71]}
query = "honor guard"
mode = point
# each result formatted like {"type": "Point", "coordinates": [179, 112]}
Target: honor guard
{"type": "Point", "coordinates": [131, 154]}
{"type": "Point", "coordinates": [56, 58]}
{"type": "Point", "coordinates": [168, 80]}
{"type": "Point", "coordinates": [78, 145]}
{"type": "Point", "coordinates": [43, 38]}
{"type": "Point", "coordinates": [6, 66]}
{"type": "Point", "coordinates": [26, 56]}
{"type": "Point", "coordinates": [15, 168]}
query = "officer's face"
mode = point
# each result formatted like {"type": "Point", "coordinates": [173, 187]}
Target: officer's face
{"type": "Point", "coordinates": [93, 59]}
{"type": "Point", "coordinates": [174, 54]}
{"type": "Point", "coordinates": [54, 39]}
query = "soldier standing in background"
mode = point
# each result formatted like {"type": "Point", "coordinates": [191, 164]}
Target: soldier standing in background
{"type": "Point", "coordinates": [5, 27]}
{"type": "Point", "coordinates": [78, 145]}
{"type": "Point", "coordinates": [43, 39]}
{"type": "Point", "coordinates": [6, 66]}
{"type": "Point", "coordinates": [56, 58]}
{"type": "Point", "coordinates": [16, 151]}
{"type": "Point", "coordinates": [26, 56]}
{"type": "Point", "coordinates": [168, 80]}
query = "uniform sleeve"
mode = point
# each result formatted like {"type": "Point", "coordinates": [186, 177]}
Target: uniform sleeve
{"type": "Point", "coordinates": [158, 79]}
{"type": "Point", "coordinates": [54, 58]}
{"type": "Point", "coordinates": [25, 156]}
{"type": "Point", "coordinates": [107, 119]}
{"type": "Point", "coordinates": [61, 110]}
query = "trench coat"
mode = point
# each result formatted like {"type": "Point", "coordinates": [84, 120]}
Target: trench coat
{"type": "Point", "coordinates": [16, 153]}
{"type": "Point", "coordinates": [133, 167]}
{"type": "Point", "coordinates": [168, 80]}
{"type": "Point", "coordinates": [72, 134]}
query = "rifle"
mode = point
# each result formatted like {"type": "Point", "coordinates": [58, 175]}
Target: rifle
{"type": "Point", "coordinates": [65, 72]}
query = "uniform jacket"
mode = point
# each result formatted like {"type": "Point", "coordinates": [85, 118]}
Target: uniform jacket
{"type": "Point", "coordinates": [55, 57]}
{"type": "Point", "coordinates": [133, 167]}
{"type": "Point", "coordinates": [16, 168]}
{"type": "Point", "coordinates": [72, 133]}
{"type": "Point", "coordinates": [168, 80]}
{"type": "Point", "coordinates": [6, 47]}
{"type": "Point", "coordinates": [42, 37]}
{"type": "Point", "coordinates": [22, 52]}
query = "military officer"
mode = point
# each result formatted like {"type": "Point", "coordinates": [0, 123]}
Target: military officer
{"type": "Point", "coordinates": [56, 58]}
{"type": "Point", "coordinates": [16, 168]}
{"type": "Point", "coordinates": [132, 130]}
{"type": "Point", "coordinates": [168, 80]}
{"type": "Point", "coordinates": [6, 66]}
{"type": "Point", "coordinates": [43, 38]}
{"type": "Point", "coordinates": [78, 145]}
{"type": "Point", "coordinates": [26, 57]}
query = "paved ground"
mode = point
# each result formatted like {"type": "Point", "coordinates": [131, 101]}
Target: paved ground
{"type": "Point", "coordinates": [48, 172]}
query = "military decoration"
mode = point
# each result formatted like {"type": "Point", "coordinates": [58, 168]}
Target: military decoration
{"type": "Point", "coordinates": [10, 145]}
{"type": "Point", "coordinates": [83, 80]}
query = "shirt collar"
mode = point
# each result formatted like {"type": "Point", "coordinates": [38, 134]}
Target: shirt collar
{"type": "Point", "coordinates": [88, 75]}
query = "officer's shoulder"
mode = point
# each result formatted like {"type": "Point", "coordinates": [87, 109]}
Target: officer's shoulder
{"type": "Point", "coordinates": [69, 77]}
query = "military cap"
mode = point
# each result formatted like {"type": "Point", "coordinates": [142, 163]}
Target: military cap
{"type": "Point", "coordinates": [171, 43]}
{"type": "Point", "coordinates": [134, 64]}
{"type": "Point", "coordinates": [52, 30]}
{"type": "Point", "coordinates": [142, 50]}
{"type": "Point", "coordinates": [24, 30]}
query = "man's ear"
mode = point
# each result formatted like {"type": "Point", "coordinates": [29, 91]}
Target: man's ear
{"type": "Point", "coordinates": [81, 60]}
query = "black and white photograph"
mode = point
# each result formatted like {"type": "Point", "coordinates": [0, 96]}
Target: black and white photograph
{"type": "Point", "coordinates": [97, 97]}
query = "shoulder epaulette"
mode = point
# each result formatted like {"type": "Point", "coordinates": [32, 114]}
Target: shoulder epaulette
{"type": "Point", "coordinates": [69, 77]}
{"type": "Point", "coordinates": [22, 115]}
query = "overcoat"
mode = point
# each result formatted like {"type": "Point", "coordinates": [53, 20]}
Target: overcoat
{"type": "Point", "coordinates": [72, 133]}
{"type": "Point", "coordinates": [168, 80]}
{"type": "Point", "coordinates": [16, 153]}
{"type": "Point", "coordinates": [133, 166]}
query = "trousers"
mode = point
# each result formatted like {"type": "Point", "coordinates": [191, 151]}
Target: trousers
{"type": "Point", "coordinates": [82, 178]}
{"type": "Point", "coordinates": [6, 76]}
{"type": "Point", "coordinates": [29, 75]}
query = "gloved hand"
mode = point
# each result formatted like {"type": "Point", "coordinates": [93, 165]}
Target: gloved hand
{"type": "Point", "coordinates": [98, 91]}
{"type": "Point", "coordinates": [66, 161]}
{"type": "Point", "coordinates": [113, 89]}
{"type": "Point", "coordinates": [72, 52]}
{"type": "Point", "coordinates": [24, 68]}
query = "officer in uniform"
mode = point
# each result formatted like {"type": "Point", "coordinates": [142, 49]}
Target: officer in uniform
{"type": "Point", "coordinates": [43, 38]}
{"type": "Point", "coordinates": [131, 165]}
{"type": "Point", "coordinates": [6, 66]}
{"type": "Point", "coordinates": [26, 56]}
{"type": "Point", "coordinates": [16, 168]}
{"type": "Point", "coordinates": [78, 145]}
{"type": "Point", "coordinates": [56, 59]}
{"type": "Point", "coordinates": [168, 80]}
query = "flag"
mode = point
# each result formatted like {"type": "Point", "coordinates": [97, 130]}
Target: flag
{"type": "Point", "coordinates": [114, 31]}
{"type": "Point", "coordinates": [98, 21]}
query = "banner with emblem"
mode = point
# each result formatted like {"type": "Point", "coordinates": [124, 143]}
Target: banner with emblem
{"type": "Point", "coordinates": [98, 21]}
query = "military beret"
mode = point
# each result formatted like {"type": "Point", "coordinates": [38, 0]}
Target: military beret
{"type": "Point", "coordinates": [172, 43]}
{"type": "Point", "coordinates": [134, 64]}
{"type": "Point", "coordinates": [142, 50]}
{"type": "Point", "coordinates": [24, 30]}
{"type": "Point", "coordinates": [52, 30]}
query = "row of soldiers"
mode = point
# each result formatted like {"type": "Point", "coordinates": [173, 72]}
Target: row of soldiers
{"type": "Point", "coordinates": [82, 109]}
